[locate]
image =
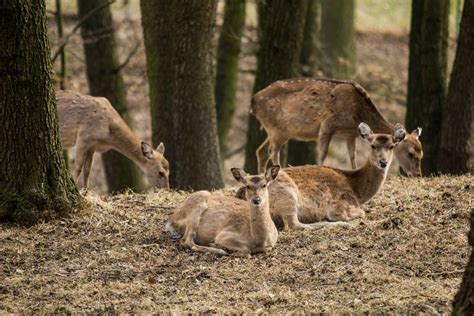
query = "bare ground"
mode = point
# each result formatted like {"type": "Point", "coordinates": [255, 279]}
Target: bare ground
{"type": "Point", "coordinates": [407, 255]}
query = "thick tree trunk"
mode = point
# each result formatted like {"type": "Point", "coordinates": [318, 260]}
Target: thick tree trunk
{"type": "Point", "coordinates": [227, 70]}
{"type": "Point", "coordinates": [457, 133]}
{"type": "Point", "coordinates": [281, 28]}
{"type": "Point", "coordinates": [338, 38]}
{"type": "Point", "coordinates": [178, 41]}
{"type": "Point", "coordinates": [34, 183]}
{"type": "Point", "coordinates": [427, 74]}
{"type": "Point", "coordinates": [105, 80]}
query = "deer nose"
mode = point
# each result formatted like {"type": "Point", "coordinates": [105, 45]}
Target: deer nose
{"type": "Point", "coordinates": [256, 200]}
{"type": "Point", "coordinates": [383, 163]}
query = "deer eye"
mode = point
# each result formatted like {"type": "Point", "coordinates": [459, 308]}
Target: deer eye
{"type": "Point", "coordinates": [373, 146]}
{"type": "Point", "coordinates": [391, 147]}
{"type": "Point", "coordinates": [248, 187]}
{"type": "Point", "coordinates": [411, 155]}
{"type": "Point", "coordinates": [264, 186]}
{"type": "Point", "coordinates": [161, 174]}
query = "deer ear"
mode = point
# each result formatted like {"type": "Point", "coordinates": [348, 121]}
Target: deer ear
{"type": "Point", "coordinates": [416, 132]}
{"type": "Point", "coordinates": [272, 173]}
{"type": "Point", "coordinates": [399, 133]}
{"type": "Point", "coordinates": [365, 131]}
{"type": "Point", "coordinates": [238, 174]}
{"type": "Point", "coordinates": [161, 148]}
{"type": "Point", "coordinates": [147, 151]}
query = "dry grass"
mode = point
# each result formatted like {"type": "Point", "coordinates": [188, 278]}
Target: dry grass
{"type": "Point", "coordinates": [407, 255]}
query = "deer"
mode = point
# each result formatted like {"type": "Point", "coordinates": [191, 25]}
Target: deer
{"type": "Point", "coordinates": [91, 124]}
{"type": "Point", "coordinates": [236, 226]}
{"type": "Point", "coordinates": [308, 109]}
{"type": "Point", "coordinates": [309, 197]}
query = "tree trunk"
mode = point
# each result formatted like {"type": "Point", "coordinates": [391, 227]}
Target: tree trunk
{"type": "Point", "coordinates": [281, 28]}
{"type": "Point", "coordinates": [338, 38]}
{"type": "Point", "coordinates": [228, 51]}
{"type": "Point", "coordinates": [427, 74]}
{"type": "Point", "coordinates": [463, 303]}
{"type": "Point", "coordinates": [178, 42]}
{"type": "Point", "coordinates": [34, 183]}
{"type": "Point", "coordinates": [457, 133]}
{"type": "Point", "coordinates": [105, 80]}
{"type": "Point", "coordinates": [303, 153]}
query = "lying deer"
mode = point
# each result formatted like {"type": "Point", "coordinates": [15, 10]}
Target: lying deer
{"type": "Point", "coordinates": [244, 227]}
{"type": "Point", "coordinates": [93, 125]}
{"type": "Point", "coordinates": [317, 196]}
{"type": "Point", "coordinates": [317, 109]}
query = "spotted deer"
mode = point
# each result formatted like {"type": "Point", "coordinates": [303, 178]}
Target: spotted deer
{"type": "Point", "coordinates": [318, 196]}
{"type": "Point", "coordinates": [243, 227]}
{"type": "Point", "coordinates": [309, 109]}
{"type": "Point", "coordinates": [93, 125]}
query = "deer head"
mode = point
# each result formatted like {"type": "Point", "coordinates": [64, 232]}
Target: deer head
{"type": "Point", "coordinates": [410, 152]}
{"type": "Point", "coordinates": [156, 167]}
{"type": "Point", "coordinates": [256, 186]}
{"type": "Point", "coordinates": [382, 145]}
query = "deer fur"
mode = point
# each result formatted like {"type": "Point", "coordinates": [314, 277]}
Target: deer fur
{"type": "Point", "coordinates": [309, 109]}
{"type": "Point", "coordinates": [244, 227]}
{"type": "Point", "coordinates": [317, 196]}
{"type": "Point", "coordinates": [93, 125]}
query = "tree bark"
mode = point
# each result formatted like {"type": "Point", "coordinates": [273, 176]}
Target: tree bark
{"type": "Point", "coordinates": [281, 28]}
{"type": "Point", "coordinates": [34, 183]}
{"type": "Point", "coordinates": [178, 42]}
{"type": "Point", "coordinates": [227, 70]}
{"type": "Point", "coordinates": [457, 131]}
{"type": "Point", "coordinates": [338, 38]}
{"type": "Point", "coordinates": [105, 80]}
{"type": "Point", "coordinates": [427, 74]}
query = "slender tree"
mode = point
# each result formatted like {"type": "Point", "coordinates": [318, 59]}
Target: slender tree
{"type": "Point", "coordinates": [427, 74]}
{"type": "Point", "coordinates": [34, 182]}
{"type": "Point", "coordinates": [105, 80]}
{"type": "Point", "coordinates": [457, 133]}
{"type": "Point", "coordinates": [281, 25]}
{"type": "Point", "coordinates": [338, 38]}
{"type": "Point", "coordinates": [228, 51]}
{"type": "Point", "coordinates": [178, 41]}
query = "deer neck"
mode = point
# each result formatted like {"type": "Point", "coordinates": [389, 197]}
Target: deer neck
{"type": "Point", "coordinates": [261, 224]}
{"type": "Point", "coordinates": [377, 122]}
{"type": "Point", "coordinates": [124, 141]}
{"type": "Point", "coordinates": [367, 181]}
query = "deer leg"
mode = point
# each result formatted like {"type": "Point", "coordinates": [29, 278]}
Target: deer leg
{"type": "Point", "coordinates": [233, 242]}
{"type": "Point", "coordinates": [351, 143]}
{"type": "Point", "coordinates": [275, 148]}
{"type": "Point", "coordinates": [292, 222]}
{"type": "Point", "coordinates": [324, 139]}
{"type": "Point", "coordinates": [87, 166]}
{"type": "Point", "coordinates": [81, 151]}
{"type": "Point", "coordinates": [263, 156]}
{"type": "Point", "coordinates": [188, 240]}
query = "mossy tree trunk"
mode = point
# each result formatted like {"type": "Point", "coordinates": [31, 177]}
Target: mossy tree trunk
{"type": "Point", "coordinates": [178, 41]}
{"type": "Point", "coordinates": [34, 182]}
{"type": "Point", "coordinates": [427, 74]}
{"type": "Point", "coordinates": [281, 30]}
{"type": "Point", "coordinates": [227, 70]}
{"type": "Point", "coordinates": [105, 80]}
{"type": "Point", "coordinates": [457, 134]}
{"type": "Point", "coordinates": [338, 38]}
{"type": "Point", "coordinates": [302, 153]}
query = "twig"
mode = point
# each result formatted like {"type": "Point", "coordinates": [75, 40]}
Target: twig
{"type": "Point", "coordinates": [130, 55]}
{"type": "Point", "coordinates": [78, 25]}
{"type": "Point", "coordinates": [444, 272]}
{"type": "Point", "coordinates": [235, 152]}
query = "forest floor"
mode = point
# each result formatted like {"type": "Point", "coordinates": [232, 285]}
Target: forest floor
{"type": "Point", "coordinates": [407, 255]}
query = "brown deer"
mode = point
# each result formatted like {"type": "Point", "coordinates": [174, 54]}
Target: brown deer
{"type": "Point", "coordinates": [93, 125]}
{"type": "Point", "coordinates": [317, 196]}
{"type": "Point", "coordinates": [244, 227]}
{"type": "Point", "coordinates": [309, 109]}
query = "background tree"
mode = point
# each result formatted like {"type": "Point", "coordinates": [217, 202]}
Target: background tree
{"type": "Point", "coordinates": [302, 153]}
{"type": "Point", "coordinates": [457, 131]}
{"type": "Point", "coordinates": [338, 47]}
{"type": "Point", "coordinates": [178, 42]}
{"type": "Point", "coordinates": [34, 182]}
{"type": "Point", "coordinates": [227, 70]}
{"type": "Point", "coordinates": [105, 80]}
{"type": "Point", "coordinates": [281, 25]}
{"type": "Point", "coordinates": [427, 74]}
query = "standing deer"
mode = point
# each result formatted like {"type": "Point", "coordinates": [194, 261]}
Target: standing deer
{"type": "Point", "coordinates": [317, 109]}
{"type": "Point", "coordinates": [317, 196]}
{"type": "Point", "coordinates": [93, 125]}
{"type": "Point", "coordinates": [244, 227]}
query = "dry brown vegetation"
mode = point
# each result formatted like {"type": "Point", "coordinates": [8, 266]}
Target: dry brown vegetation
{"type": "Point", "coordinates": [407, 255]}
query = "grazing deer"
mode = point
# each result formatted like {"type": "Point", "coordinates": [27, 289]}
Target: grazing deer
{"type": "Point", "coordinates": [317, 109]}
{"type": "Point", "coordinates": [244, 227]}
{"type": "Point", "coordinates": [93, 125]}
{"type": "Point", "coordinates": [317, 196]}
